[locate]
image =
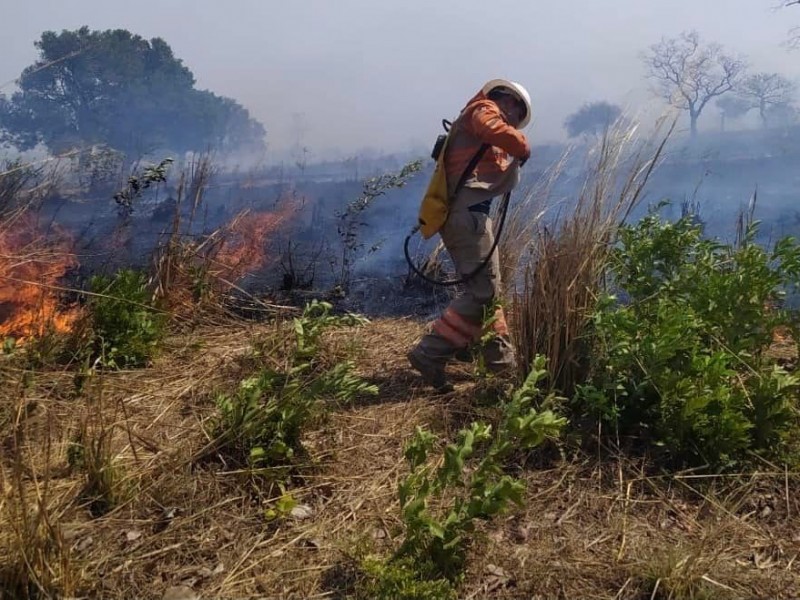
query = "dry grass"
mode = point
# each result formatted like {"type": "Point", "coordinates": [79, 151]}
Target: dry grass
{"type": "Point", "coordinates": [587, 530]}
{"type": "Point", "coordinates": [523, 223]}
{"type": "Point", "coordinates": [193, 274]}
{"type": "Point", "coordinates": [558, 263]}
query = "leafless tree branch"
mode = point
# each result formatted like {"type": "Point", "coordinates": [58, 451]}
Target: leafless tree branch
{"type": "Point", "coordinates": [793, 39]}
{"type": "Point", "coordinates": [688, 74]}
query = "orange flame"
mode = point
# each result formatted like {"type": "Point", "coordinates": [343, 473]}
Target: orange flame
{"type": "Point", "coordinates": [225, 256]}
{"type": "Point", "coordinates": [30, 269]}
{"type": "Point", "coordinates": [246, 247]}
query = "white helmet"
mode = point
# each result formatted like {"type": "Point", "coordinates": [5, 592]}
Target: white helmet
{"type": "Point", "coordinates": [520, 92]}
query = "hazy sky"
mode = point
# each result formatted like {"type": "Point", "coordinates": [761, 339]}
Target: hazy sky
{"type": "Point", "coordinates": [382, 73]}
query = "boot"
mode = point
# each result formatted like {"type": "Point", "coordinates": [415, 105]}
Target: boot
{"type": "Point", "coordinates": [432, 371]}
{"type": "Point", "coordinates": [464, 355]}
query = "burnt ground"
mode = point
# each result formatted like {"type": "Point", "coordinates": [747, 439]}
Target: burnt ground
{"type": "Point", "coordinates": [594, 523]}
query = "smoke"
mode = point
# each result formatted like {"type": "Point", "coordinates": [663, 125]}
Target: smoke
{"type": "Point", "coordinates": [290, 239]}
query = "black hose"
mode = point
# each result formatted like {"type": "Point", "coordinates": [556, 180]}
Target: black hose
{"type": "Point", "coordinates": [503, 211]}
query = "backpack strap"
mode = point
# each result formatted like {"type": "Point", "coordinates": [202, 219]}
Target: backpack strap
{"type": "Point", "coordinates": [471, 167]}
{"type": "Point", "coordinates": [452, 129]}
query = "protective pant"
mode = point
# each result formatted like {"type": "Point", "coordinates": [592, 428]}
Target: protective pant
{"type": "Point", "coordinates": [468, 237]}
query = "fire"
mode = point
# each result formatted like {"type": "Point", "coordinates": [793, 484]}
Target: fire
{"type": "Point", "coordinates": [221, 259]}
{"type": "Point", "coordinates": [31, 267]}
{"type": "Point", "coordinates": [245, 249]}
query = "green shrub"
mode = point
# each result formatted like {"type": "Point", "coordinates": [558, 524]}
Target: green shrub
{"type": "Point", "coordinates": [262, 422]}
{"type": "Point", "coordinates": [683, 362]}
{"type": "Point", "coordinates": [400, 580]}
{"type": "Point", "coordinates": [441, 505]}
{"type": "Point", "coordinates": [124, 327]}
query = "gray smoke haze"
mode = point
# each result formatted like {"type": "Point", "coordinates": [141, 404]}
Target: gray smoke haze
{"type": "Point", "coordinates": [346, 75]}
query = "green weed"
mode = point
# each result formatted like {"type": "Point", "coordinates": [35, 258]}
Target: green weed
{"type": "Point", "coordinates": [262, 422]}
{"type": "Point", "coordinates": [441, 505]}
{"type": "Point", "coordinates": [123, 328]}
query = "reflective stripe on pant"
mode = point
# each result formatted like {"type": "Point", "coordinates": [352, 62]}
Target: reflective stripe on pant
{"type": "Point", "coordinates": [459, 332]}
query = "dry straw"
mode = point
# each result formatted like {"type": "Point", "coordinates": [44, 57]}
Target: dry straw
{"type": "Point", "coordinates": [554, 265]}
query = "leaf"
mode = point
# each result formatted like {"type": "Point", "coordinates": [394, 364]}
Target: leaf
{"type": "Point", "coordinates": [257, 454]}
{"type": "Point", "coordinates": [285, 504]}
{"type": "Point", "coordinates": [436, 530]}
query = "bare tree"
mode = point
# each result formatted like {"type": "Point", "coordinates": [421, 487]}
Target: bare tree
{"type": "Point", "coordinates": [766, 90]}
{"type": "Point", "coordinates": [689, 74]}
{"type": "Point", "coordinates": [793, 42]}
{"type": "Point", "coordinates": [732, 107]}
{"type": "Point", "coordinates": [782, 115]}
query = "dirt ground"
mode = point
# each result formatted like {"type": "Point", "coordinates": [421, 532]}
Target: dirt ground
{"type": "Point", "coordinates": [594, 524]}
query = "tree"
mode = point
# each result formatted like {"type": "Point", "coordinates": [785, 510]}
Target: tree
{"type": "Point", "coordinates": [782, 115]}
{"type": "Point", "coordinates": [732, 107]}
{"type": "Point", "coordinates": [592, 119]}
{"type": "Point", "coordinates": [689, 74]}
{"type": "Point", "coordinates": [116, 88]}
{"type": "Point", "coordinates": [793, 40]}
{"type": "Point", "coordinates": [765, 91]}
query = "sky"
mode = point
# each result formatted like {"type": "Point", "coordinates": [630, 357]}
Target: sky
{"type": "Point", "coordinates": [337, 76]}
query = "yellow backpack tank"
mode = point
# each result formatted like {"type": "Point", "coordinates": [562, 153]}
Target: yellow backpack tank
{"type": "Point", "coordinates": [436, 202]}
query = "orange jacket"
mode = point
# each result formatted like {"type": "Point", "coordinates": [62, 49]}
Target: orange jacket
{"type": "Point", "coordinates": [481, 121]}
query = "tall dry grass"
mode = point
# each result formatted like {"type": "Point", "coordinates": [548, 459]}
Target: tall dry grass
{"type": "Point", "coordinates": [194, 275]}
{"type": "Point", "coordinates": [180, 259]}
{"type": "Point", "coordinates": [35, 558]}
{"type": "Point", "coordinates": [523, 219]}
{"type": "Point", "coordinates": [554, 253]}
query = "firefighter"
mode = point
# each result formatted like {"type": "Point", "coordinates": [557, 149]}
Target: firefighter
{"type": "Point", "coordinates": [494, 117]}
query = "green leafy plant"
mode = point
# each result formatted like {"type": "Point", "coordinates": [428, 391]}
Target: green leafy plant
{"type": "Point", "coordinates": [43, 349]}
{"type": "Point", "coordinates": [282, 507]}
{"type": "Point", "coordinates": [490, 316]}
{"type": "Point", "coordinates": [315, 320]}
{"type": "Point", "coordinates": [262, 422]}
{"type": "Point", "coordinates": [400, 580]}
{"type": "Point", "coordinates": [138, 183]}
{"type": "Point", "coordinates": [123, 327]}
{"type": "Point", "coordinates": [683, 362]}
{"type": "Point", "coordinates": [440, 505]}
{"type": "Point", "coordinates": [9, 345]}
{"type": "Point", "coordinates": [351, 219]}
